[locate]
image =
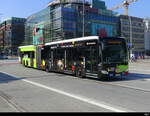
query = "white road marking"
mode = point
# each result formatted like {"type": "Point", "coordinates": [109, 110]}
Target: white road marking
{"type": "Point", "coordinates": [84, 99]}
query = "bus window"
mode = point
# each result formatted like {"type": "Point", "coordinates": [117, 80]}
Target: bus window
{"type": "Point", "coordinates": [91, 58]}
{"type": "Point", "coordinates": [43, 54]}
{"type": "Point", "coordinates": [32, 55]}
{"type": "Point", "coordinates": [70, 58]}
{"type": "Point", "coordinates": [114, 53]}
{"type": "Point", "coordinates": [59, 59]}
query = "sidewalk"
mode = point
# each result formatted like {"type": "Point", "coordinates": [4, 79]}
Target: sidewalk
{"type": "Point", "coordinates": [141, 61]}
{"type": "Point", "coordinates": [144, 60]}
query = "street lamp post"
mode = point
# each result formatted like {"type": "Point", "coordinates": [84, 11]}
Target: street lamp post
{"type": "Point", "coordinates": [131, 43]}
{"type": "Point", "coordinates": [4, 38]}
{"type": "Point", "coordinates": [83, 29]}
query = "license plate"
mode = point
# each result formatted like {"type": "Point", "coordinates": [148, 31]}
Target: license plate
{"type": "Point", "coordinates": [111, 75]}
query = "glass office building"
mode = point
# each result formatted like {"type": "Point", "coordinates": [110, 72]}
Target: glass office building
{"type": "Point", "coordinates": [67, 19]}
{"type": "Point", "coordinates": [35, 20]}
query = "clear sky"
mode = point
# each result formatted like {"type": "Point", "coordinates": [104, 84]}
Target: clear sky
{"type": "Point", "coordinates": [24, 8]}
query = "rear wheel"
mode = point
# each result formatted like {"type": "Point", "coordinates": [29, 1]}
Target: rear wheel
{"type": "Point", "coordinates": [24, 63]}
{"type": "Point", "coordinates": [79, 73]}
{"type": "Point", "coordinates": [27, 64]}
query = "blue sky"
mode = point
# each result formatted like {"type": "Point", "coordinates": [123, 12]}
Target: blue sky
{"type": "Point", "coordinates": [24, 8]}
{"type": "Point", "coordinates": [141, 8]}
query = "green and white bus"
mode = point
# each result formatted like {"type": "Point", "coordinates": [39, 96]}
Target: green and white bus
{"type": "Point", "coordinates": [90, 56]}
{"type": "Point", "coordinates": [32, 56]}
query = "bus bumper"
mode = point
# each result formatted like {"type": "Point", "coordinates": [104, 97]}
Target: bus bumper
{"type": "Point", "coordinates": [114, 74]}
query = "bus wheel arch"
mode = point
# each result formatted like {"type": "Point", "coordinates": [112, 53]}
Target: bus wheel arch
{"type": "Point", "coordinates": [47, 68]}
{"type": "Point", "coordinates": [101, 76]}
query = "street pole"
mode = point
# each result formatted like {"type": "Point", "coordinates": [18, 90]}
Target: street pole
{"type": "Point", "coordinates": [4, 38]}
{"type": "Point", "coordinates": [83, 31]}
{"type": "Point", "coordinates": [131, 43]}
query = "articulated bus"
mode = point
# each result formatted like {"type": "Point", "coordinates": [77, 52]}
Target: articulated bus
{"type": "Point", "coordinates": [90, 56]}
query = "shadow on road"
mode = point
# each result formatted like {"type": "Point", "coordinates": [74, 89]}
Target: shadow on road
{"type": "Point", "coordinates": [138, 76]}
{"type": "Point", "coordinates": [4, 78]}
{"type": "Point", "coordinates": [130, 77]}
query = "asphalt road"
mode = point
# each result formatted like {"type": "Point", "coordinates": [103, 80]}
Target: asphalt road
{"type": "Point", "coordinates": [30, 90]}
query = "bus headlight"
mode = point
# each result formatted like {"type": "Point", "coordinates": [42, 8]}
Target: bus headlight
{"type": "Point", "coordinates": [111, 69]}
{"type": "Point", "coordinates": [104, 72]}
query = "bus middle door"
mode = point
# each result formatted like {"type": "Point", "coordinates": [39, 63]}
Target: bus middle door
{"type": "Point", "coordinates": [91, 61]}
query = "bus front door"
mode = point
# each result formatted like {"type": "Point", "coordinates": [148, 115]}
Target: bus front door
{"type": "Point", "coordinates": [91, 61]}
{"type": "Point", "coordinates": [31, 58]}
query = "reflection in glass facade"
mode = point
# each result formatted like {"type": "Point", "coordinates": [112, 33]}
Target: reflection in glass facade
{"type": "Point", "coordinates": [42, 17]}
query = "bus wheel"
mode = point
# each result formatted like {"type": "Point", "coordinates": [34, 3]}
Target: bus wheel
{"type": "Point", "coordinates": [79, 74]}
{"type": "Point", "coordinates": [27, 64]}
{"type": "Point", "coordinates": [23, 63]}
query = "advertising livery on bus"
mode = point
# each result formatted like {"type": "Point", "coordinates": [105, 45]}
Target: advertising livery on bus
{"type": "Point", "coordinates": [90, 56]}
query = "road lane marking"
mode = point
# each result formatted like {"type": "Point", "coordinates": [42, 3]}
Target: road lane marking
{"type": "Point", "coordinates": [84, 99]}
{"type": "Point", "coordinates": [90, 101]}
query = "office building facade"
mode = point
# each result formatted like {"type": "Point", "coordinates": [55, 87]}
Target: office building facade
{"type": "Point", "coordinates": [67, 19]}
{"type": "Point", "coordinates": [147, 35]}
{"type": "Point", "coordinates": [132, 28]}
{"type": "Point", "coordinates": [11, 35]}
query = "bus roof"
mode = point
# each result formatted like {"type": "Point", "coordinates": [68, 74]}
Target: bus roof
{"type": "Point", "coordinates": [74, 39]}
{"type": "Point", "coordinates": [27, 48]}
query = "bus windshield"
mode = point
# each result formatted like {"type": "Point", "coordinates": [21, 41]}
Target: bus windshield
{"type": "Point", "coordinates": [115, 53]}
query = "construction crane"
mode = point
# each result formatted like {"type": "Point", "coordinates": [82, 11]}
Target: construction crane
{"type": "Point", "coordinates": [125, 4]}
